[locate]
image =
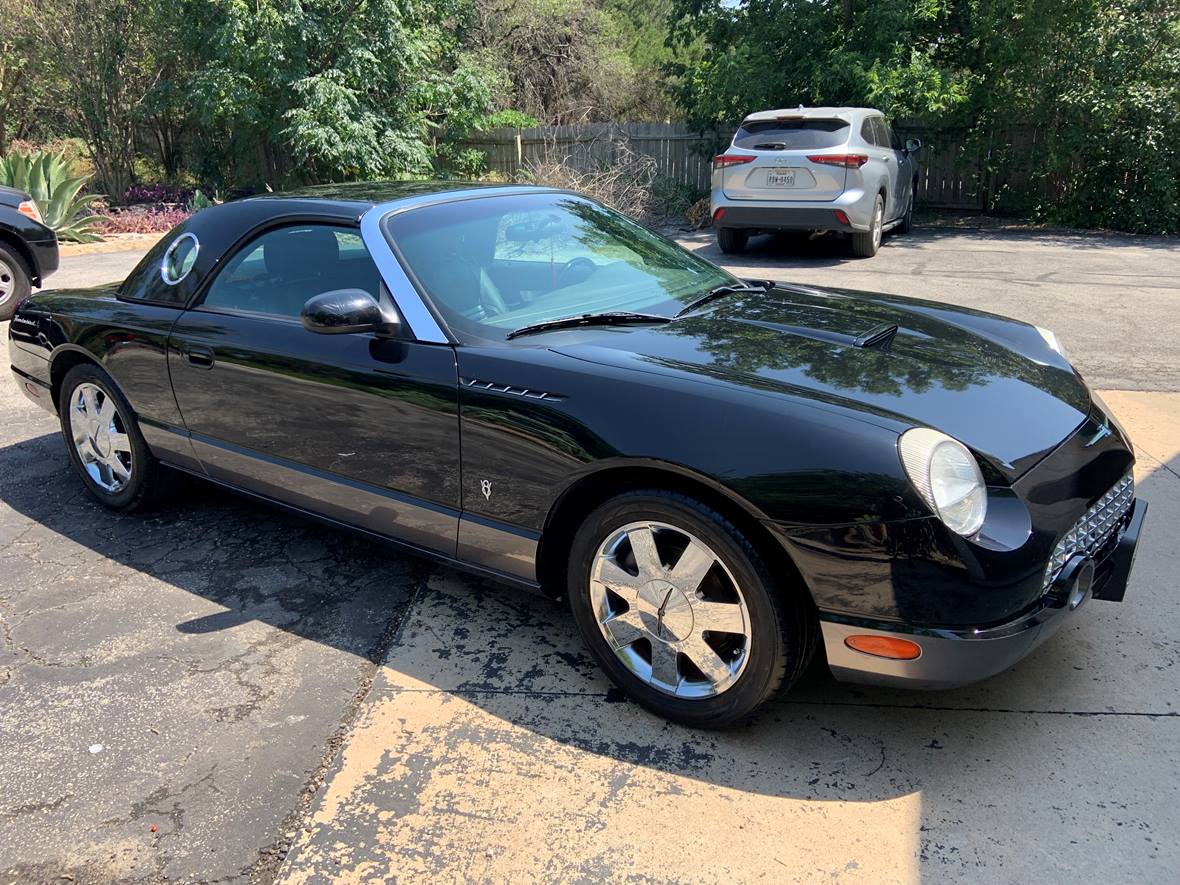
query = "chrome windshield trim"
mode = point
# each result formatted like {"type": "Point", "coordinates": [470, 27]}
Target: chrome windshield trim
{"type": "Point", "coordinates": [415, 311]}
{"type": "Point", "coordinates": [410, 304]}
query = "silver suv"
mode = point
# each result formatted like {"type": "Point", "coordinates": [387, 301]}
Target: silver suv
{"type": "Point", "coordinates": [816, 169]}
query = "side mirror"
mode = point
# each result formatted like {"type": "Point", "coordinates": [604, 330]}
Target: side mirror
{"type": "Point", "coordinates": [343, 311]}
{"type": "Point", "coordinates": [913, 145]}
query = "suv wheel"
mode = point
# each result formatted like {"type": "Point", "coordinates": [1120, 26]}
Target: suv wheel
{"type": "Point", "coordinates": [15, 282]}
{"type": "Point", "coordinates": [865, 245]}
{"type": "Point", "coordinates": [682, 612]}
{"type": "Point", "coordinates": [104, 442]}
{"type": "Point", "coordinates": [731, 241]}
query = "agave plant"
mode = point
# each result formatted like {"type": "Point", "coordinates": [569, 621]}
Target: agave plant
{"type": "Point", "coordinates": [45, 176]}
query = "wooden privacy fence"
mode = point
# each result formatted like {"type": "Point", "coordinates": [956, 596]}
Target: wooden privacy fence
{"type": "Point", "coordinates": [949, 178]}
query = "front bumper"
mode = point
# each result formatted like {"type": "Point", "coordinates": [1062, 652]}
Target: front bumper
{"type": "Point", "coordinates": [46, 258]}
{"type": "Point", "coordinates": [951, 658]}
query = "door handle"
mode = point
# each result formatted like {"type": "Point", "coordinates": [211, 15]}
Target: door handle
{"type": "Point", "coordinates": [201, 357]}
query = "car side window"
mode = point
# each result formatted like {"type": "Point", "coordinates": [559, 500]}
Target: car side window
{"type": "Point", "coordinates": [894, 138]}
{"type": "Point", "coordinates": [279, 270]}
{"type": "Point", "coordinates": [866, 131]}
{"type": "Point", "coordinates": [880, 133]}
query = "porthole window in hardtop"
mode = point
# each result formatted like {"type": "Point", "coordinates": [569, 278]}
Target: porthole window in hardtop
{"type": "Point", "coordinates": [146, 281]}
{"type": "Point", "coordinates": [179, 258]}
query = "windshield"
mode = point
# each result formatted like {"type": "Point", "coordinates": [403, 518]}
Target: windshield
{"type": "Point", "coordinates": [495, 264]}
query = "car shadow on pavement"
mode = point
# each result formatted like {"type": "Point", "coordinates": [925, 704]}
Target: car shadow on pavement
{"type": "Point", "coordinates": [468, 665]}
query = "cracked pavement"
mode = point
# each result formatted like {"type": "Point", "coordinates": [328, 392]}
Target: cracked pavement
{"type": "Point", "coordinates": [217, 691]}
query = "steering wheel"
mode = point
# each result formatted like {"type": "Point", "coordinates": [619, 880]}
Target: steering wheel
{"type": "Point", "coordinates": [580, 265]}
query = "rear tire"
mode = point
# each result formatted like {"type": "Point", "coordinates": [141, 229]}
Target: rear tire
{"type": "Point", "coordinates": [865, 245]}
{"type": "Point", "coordinates": [732, 241]}
{"type": "Point", "coordinates": [15, 281]}
{"type": "Point", "coordinates": [710, 676]}
{"type": "Point", "coordinates": [104, 441]}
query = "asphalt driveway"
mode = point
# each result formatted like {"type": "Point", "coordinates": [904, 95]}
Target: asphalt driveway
{"type": "Point", "coordinates": [1111, 299]}
{"type": "Point", "coordinates": [219, 692]}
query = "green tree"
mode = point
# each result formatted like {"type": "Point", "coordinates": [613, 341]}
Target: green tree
{"type": "Point", "coordinates": [324, 89]}
{"type": "Point", "coordinates": [1070, 105]}
{"type": "Point", "coordinates": [568, 61]}
{"type": "Point", "coordinates": [104, 55]}
{"type": "Point", "coordinates": [780, 53]}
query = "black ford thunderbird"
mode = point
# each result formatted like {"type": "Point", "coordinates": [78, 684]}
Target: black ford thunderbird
{"type": "Point", "coordinates": [721, 475]}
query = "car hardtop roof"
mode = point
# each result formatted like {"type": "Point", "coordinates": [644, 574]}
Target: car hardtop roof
{"type": "Point", "coordinates": [819, 113]}
{"type": "Point", "coordinates": [359, 196]}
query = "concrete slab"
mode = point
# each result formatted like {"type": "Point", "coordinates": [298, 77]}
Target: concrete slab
{"type": "Point", "coordinates": [169, 684]}
{"type": "Point", "coordinates": [491, 749]}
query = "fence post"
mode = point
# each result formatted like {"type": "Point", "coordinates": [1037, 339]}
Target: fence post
{"type": "Point", "coordinates": [519, 149]}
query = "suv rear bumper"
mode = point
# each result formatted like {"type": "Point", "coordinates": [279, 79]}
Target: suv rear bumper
{"type": "Point", "coordinates": [772, 215]}
{"type": "Point", "coordinates": [953, 657]}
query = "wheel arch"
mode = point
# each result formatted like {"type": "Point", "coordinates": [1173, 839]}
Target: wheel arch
{"type": "Point", "coordinates": [17, 245]}
{"type": "Point", "coordinates": [589, 491]}
{"type": "Point", "coordinates": [63, 359]}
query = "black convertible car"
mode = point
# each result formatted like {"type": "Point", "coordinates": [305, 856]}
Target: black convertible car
{"type": "Point", "coordinates": [720, 474]}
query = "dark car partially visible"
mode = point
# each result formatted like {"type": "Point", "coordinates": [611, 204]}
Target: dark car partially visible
{"type": "Point", "coordinates": [28, 249]}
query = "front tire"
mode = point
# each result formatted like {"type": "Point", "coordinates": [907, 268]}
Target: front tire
{"type": "Point", "coordinates": [682, 611]}
{"type": "Point", "coordinates": [15, 282]}
{"type": "Point", "coordinates": [865, 245]}
{"type": "Point", "coordinates": [104, 441]}
{"type": "Point", "coordinates": [732, 241]}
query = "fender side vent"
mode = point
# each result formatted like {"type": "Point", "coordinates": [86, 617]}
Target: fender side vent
{"type": "Point", "coordinates": [523, 392]}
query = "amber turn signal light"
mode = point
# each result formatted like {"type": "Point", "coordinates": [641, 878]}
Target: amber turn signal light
{"type": "Point", "coordinates": [885, 647]}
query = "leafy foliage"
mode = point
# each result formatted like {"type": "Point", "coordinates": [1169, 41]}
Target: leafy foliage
{"type": "Point", "coordinates": [245, 94]}
{"type": "Point", "coordinates": [46, 178]}
{"type": "Point", "coordinates": [1098, 82]}
{"type": "Point", "coordinates": [323, 90]}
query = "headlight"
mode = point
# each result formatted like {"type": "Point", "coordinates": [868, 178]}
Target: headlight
{"type": "Point", "coordinates": [1053, 341]}
{"type": "Point", "coordinates": [946, 476]}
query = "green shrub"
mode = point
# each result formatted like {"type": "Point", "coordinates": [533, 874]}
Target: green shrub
{"type": "Point", "coordinates": [46, 178]}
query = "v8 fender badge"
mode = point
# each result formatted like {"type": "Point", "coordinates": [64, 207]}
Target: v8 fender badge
{"type": "Point", "coordinates": [485, 486]}
{"type": "Point", "coordinates": [1103, 432]}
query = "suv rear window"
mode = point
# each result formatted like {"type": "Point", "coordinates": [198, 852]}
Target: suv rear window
{"type": "Point", "coordinates": [788, 135]}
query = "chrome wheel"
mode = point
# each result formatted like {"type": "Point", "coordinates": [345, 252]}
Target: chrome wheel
{"type": "Point", "coordinates": [7, 281]}
{"type": "Point", "coordinates": [670, 610]}
{"type": "Point", "coordinates": [100, 437]}
{"type": "Point", "coordinates": [878, 223]}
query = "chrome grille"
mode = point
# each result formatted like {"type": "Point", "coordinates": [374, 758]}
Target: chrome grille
{"type": "Point", "coordinates": [1095, 528]}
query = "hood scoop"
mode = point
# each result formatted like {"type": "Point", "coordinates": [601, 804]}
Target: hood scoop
{"type": "Point", "coordinates": [877, 338]}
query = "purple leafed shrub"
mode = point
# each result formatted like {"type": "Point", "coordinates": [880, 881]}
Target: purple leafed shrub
{"type": "Point", "coordinates": [157, 193]}
{"type": "Point", "coordinates": [139, 220]}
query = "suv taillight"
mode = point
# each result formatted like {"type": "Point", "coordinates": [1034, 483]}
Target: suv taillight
{"type": "Point", "coordinates": [848, 161]}
{"type": "Point", "coordinates": [29, 209]}
{"type": "Point", "coordinates": [722, 160]}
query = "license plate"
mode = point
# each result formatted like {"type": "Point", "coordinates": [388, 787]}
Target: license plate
{"type": "Point", "coordinates": [785, 178]}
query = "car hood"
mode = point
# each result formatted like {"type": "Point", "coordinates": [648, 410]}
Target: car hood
{"type": "Point", "coordinates": [10, 196]}
{"type": "Point", "coordinates": [990, 382]}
